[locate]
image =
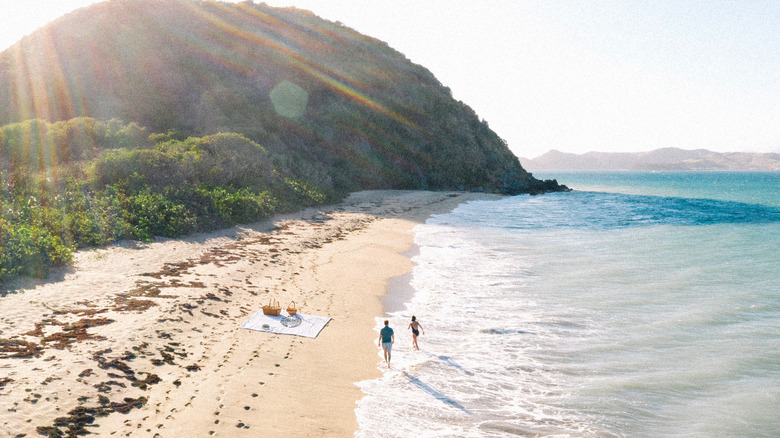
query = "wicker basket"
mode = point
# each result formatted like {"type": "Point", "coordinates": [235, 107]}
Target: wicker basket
{"type": "Point", "coordinates": [272, 308]}
{"type": "Point", "coordinates": [291, 309]}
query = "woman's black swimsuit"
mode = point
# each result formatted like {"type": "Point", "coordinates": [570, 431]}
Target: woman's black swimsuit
{"type": "Point", "coordinates": [416, 332]}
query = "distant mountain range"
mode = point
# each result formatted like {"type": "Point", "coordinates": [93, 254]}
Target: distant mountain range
{"type": "Point", "coordinates": [659, 159]}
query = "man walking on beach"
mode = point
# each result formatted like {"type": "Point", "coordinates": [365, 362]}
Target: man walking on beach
{"type": "Point", "coordinates": [386, 340]}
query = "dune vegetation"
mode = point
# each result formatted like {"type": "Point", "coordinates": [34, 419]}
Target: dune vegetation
{"type": "Point", "coordinates": [82, 182]}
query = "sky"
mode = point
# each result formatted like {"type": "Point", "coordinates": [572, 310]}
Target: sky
{"type": "Point", "coordinates": [575, 76]}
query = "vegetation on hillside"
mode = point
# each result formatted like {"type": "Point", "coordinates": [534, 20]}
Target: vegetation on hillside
{"type": "Point", "coordinates": [142, 118]}
{"type": "Point", "coordinates": [363, 116]}
{"type": "Point", "coordinates": [84, 182]}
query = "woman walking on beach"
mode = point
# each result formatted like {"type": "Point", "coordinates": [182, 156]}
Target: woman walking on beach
{"type": "Point", "coordinates": [416, 327]}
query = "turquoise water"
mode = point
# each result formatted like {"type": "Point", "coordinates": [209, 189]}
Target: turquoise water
{"type": "Point", "coordinates": [748, 187]}
{"type": "Point", "coordinates": [639, 305]}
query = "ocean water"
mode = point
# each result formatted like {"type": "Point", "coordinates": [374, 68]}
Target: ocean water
{"type": "Point", "coordinates": [638, 305]}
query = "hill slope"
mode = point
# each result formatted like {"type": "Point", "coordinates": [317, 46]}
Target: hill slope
{"type": "Point", "coordinates": [344, 110]}
{"type": "Point", "coordinates": [659, 159]}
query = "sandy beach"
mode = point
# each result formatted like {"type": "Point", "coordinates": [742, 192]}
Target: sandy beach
{"type": "Point", "coordinates": [144, 339]}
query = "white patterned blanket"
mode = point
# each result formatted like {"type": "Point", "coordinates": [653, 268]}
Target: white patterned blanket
{"type": "Point", "coordinates": [299, 324]}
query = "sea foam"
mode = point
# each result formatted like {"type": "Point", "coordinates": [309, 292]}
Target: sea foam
{"type": "Point", "coordinates": [589, 314]}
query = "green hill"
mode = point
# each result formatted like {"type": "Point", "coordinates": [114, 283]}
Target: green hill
{"type": "Point", "coordinates": [216, 113]}
{"type": "Point", "coordinates": [205, 67]}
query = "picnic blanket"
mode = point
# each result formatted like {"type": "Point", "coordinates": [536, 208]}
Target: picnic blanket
{"type": "Point", "coordinates": [299, 324]}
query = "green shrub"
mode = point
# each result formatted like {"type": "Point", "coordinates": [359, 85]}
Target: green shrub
{"type": "Point", "coordinates": [225, 159]}
{"type": "Point", "coordinates": [24, 145]}
{"type": "Point", "coordinates": [95, 219]}
{"type": "Point", "coordinates": [126, 136]}
{"type": "Point", "coordinates": [240, 206]}
{"type": "Point", "coordinates": [37, 145]}
{"type": "Point", "coordinates": [29, 250]}
{"type": "Point", "coordinates": [133, 170]}
{"type": "Point", "coordinates": [151, 214]}
{"type": "Point", "coordinates": [297, 193]}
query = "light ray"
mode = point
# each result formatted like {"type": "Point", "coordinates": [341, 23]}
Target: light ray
{"type": "Point", "coordinates": [338, 82]}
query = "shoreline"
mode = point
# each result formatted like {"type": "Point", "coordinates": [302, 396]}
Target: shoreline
{"type": "Point", "coordinates": [144, 339]}
{"type": "Point", "coordinates": [398, 291]}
